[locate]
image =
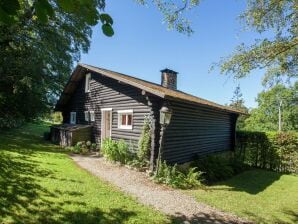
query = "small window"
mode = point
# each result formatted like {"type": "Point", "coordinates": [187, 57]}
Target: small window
{"type": "Point", "coordinates": [87, 82]}
{"type": "Point", "coordinates": [73, 117]}
{"type": "Point", "coordinates": [125, 119]}
{"type": "Point", "coordinates": [92, 116]}
{"type": "Point", "coordinates": [86, 114]}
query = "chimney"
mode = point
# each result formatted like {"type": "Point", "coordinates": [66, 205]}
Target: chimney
{"type": "Point", "coordinates": [169, 79]}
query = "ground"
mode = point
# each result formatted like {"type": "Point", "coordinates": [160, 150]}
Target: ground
{"type": "Point", "coordinates": [258, 195]}
{"type": "Point", "coordinates": [40, 184]}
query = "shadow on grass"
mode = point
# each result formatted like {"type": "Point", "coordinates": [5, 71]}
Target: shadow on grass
{"type": "Point", "coordinates": [203, 218]}
{"type": "Point", "coordinates": [252, 181]}
{"type": "Point", "coordinates": [23, 199]}
{"type": "Point", "coordinates": [291, 217]}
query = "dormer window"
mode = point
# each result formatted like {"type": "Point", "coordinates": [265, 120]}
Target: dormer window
{"type": "Point", "coordinates": [87, 83]}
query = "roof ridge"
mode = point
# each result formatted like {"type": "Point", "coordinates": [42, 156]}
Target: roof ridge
{"type": "Point", "coordinates": [163, 89]}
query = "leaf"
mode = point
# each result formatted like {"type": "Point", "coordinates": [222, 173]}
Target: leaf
{"type": "Point", "coordinates": [106, 18]}
{"type": "Point", "coordinates": [10, 6]}
{"type": "Point", "coordinates": [67, 5]}
{"type": "Point", "coordinates": [4, 17]}
{"type": "Point", "coordinates": [43, 10]}
{"type": "Point", "coordinates": [107, 30]}
{"type": "Point", "coordinates": [40, 11]}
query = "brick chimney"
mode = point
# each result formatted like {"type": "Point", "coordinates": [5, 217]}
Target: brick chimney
{"type": "Point", "coordinates": [169, 79]}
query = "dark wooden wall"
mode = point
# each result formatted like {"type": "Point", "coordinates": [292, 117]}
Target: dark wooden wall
{"type": "Point", "coordinates": [109, 93]}
{"type": "Point", "coordinates": [196, 131]}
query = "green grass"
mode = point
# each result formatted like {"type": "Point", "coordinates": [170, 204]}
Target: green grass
{"type": "Point", "coordinates": [40, 184]}
{"type": "Point", "coordinates": [258, 195]}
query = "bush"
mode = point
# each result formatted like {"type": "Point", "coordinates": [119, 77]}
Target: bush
{"type": "Point", "coordinates": [116, 151]}
{"type": "Point", "coordinates": [8, 121]}
{"type": "Point", "coordinates": [83, 147]}
{"type": "Point", "coordinates": [277, 151]}
{"type": "Point", "coordinates": [171, 176]}
{"type": "Point", "coordinates": [218, 167]}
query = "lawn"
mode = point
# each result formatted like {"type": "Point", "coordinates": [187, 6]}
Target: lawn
{"type": "Point", "coordinates": [258, 195]}
{"type": "Point", "coordinates": [40, 184]}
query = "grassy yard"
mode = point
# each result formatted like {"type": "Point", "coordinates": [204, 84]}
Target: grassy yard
{"type": "Point", "coordinates": [261, 196]}
{"type": "Point", "coordinates": [40, 184]}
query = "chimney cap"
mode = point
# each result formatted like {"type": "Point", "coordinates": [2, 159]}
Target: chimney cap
{"type": "Point", "coordinates": [166, 70]}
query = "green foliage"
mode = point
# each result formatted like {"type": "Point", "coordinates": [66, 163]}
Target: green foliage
{"type": "Point", "coordinates": [276, 151]}
{"type": "Point", "coordinates": [218, 167]}
{"type": "Point", "coordinates": [237, 102]}
{"type": "Point", "coordinates": [56, 117]}
{"type": "Point", "coordinates": [116, 151]}
{"type": "Point", "coordinates": [10, 121]}
{"type": "Point", "coordinates": [265, 117]}
{"type": "Point", "coordinates": [83, 147]}
{"type": "Point", "coordinates": [144, 145]}
{"type": "Point", "coordinates": [171, 176]}
{"type": "Point", "coordinates": [278, 54]}
{"type": "Point", "coordinates": [37, 51]}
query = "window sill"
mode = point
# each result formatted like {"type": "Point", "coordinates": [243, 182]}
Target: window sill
{"type": "Point", "coordinates": [125, 127]}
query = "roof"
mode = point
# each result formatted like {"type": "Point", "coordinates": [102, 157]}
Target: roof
{"type": "Point", "coordinates": [149, 87]}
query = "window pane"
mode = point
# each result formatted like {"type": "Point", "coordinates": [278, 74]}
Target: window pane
{"type": "Point", "coordinates": [129, 118]}
{"type": "Point", "coordinates": [123, 121]}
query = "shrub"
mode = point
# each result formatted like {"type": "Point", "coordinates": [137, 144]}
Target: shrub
{"type": "Point", "coordinates": [82, 147]}
{"type": "Point", "coordinates": [171, 176]}
{"type": "Point", "coordinates": [145, 141]}
{"type": "Point", "coordinates": [277, 151]}
{"type": "Point", "coordinates": [9, 121]}
{"type": "Point", "coordinates": [116, 151]}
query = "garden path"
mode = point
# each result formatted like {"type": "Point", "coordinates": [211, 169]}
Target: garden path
{"type": "Point", "coordinates": [182, 208]}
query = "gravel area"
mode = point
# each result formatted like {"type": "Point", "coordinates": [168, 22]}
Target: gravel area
{"type": "Point", "coordinates": [178, 205]}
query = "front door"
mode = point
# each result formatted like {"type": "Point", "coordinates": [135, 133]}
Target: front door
{"type": "Point", "coordinates": [106, 124]}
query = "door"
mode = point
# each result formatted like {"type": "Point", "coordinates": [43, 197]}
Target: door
{"type": "Point", "coordinates": [106, 123]}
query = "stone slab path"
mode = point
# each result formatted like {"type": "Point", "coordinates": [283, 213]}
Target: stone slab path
{"type": "Point", "coordinates": [178, 205]}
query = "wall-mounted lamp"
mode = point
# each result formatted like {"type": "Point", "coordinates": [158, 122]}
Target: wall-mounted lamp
{"type": "Point", "coordinates": [165, 115]}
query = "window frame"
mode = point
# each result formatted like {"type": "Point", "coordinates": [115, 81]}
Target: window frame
{"type": "Point", "coordinates": [86, 115]}
{"type": "Point", "coordinates": [71, 121]}
{"type": "Point", "coordinates": [120, 114]}
{"type": "Point", "coordinates": [87, 83]}
{"type": "Point", "coordinates": [91, 116]}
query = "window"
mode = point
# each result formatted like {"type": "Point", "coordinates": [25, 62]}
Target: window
{"type": "Point", "coordinates": [125, 119]}
{"type": "Point", "coordinates": [92, 116]}
{"type": "Point", "coordinates": [87, 83]}
{"type": "Point", "coordinates": [73, 117]}
{"type": "Point", "coordinates": [86, 113]}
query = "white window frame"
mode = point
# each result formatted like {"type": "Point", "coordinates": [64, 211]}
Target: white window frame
{"type": "Point", "coordinates": [86, 115]}
{"type": "Point", "coordinates": [73, 117]}
{"type": "Point", "coordinates": [87, 83]}
{"type": "Point", "coordinates": [92, 115]}
{"type": "Point", "coordinates": [126, 112]}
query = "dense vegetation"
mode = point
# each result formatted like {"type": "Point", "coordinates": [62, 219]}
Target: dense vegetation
{"type": "Point", "coordinates": [41, 184]}
{"type": "Point", "coordinates": [276, 151]}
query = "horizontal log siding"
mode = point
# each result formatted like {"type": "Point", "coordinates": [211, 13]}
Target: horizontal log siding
{"type": "Point", "coordinates": [196, 131]}
{"type": "Point", "coordinates": [109, 93]}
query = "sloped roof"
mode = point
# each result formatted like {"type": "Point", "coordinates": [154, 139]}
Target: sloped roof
{"type": "Point", "coordinates": [149, 87]}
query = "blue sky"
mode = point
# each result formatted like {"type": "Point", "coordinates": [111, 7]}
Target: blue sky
{"type": "Point", "coordinates": [142, 46]}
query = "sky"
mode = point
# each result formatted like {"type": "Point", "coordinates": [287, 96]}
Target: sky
{"type": "Point", "coordinates": [142, 46]}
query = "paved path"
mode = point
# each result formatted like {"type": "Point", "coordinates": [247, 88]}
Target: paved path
{"type": "Point", "coordinates": [174, 203]}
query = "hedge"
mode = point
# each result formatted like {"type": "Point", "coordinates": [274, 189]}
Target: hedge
{"type": "Point", "coordinates": [277, 151]}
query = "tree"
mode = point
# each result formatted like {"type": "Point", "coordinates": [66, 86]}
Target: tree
{"type": "Point", "coordinates": [237, 102]}
{"type": "Point", "coordinates": [279, 54]}
{"type": "Point", "coordinates": [265, 116]}
{"type": "Point", "coordinates": [36, 56]}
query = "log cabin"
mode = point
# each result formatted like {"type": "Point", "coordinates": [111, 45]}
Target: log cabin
{"type": "Point", "coordinates": [114, 105]}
